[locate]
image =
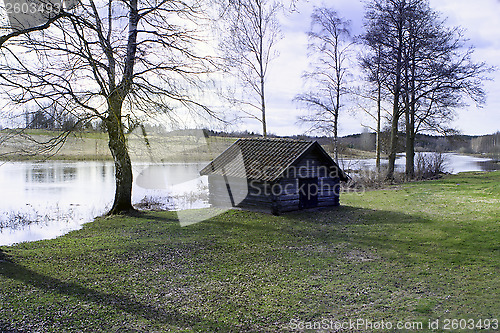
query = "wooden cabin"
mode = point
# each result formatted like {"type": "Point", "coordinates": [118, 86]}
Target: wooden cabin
{"type": "Point", "coordinates": [274, 175]}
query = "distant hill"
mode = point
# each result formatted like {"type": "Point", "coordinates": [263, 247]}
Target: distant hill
{"type": "Point", "coordinates": [466, 144]}
{"type": "Point", "coordinates": [85, 144]}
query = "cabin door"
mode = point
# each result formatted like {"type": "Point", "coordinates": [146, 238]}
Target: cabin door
{"type": "Point", "coordinates": [308, 192]}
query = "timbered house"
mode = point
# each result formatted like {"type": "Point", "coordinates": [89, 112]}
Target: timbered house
{"type": "Point", "coordinates": [274, 175]}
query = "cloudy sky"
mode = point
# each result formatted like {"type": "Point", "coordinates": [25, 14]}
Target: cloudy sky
{"type": "Point", "coordinates": [480, 18]}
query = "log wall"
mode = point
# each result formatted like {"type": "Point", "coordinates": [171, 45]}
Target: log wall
{"type": "Point", "coordinates": [280, 196]}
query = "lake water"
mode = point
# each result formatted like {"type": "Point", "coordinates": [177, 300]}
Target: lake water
{"type": "Point", "coordinates": [454, 163]}
{"type": "Point", "coordinates": [41, 200]}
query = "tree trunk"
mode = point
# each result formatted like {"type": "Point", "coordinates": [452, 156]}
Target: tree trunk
{"type": "Point", "coordinates": [123, 166]}
{"type": "Point", "coordinates": [336, 137]}
{"type": "Point", "coordinates": [410, 116]}
{"type": "Point", "coordinates": [263, 105]}
{"type": "Point", "coordinates": [393, 148]}
{"type": "Point", "coordinates": [410, 157]}
{"type": "Point", "coordinates": [394, 131]}
{"type": "Point", "coordinates": [410, 142]}
{"type": "Point", "coordinates": [400, 26]}
{"type": "Point", "coordinates": [262, 71]}
{"type": "Point", "coordinates": [117, 140]}
{"type": "Point", "coordinates": [377, 138]}
{"type": "Point", "coordinates": [395, 110]}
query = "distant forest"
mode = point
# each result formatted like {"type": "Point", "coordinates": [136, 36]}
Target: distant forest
{"type": "Point", "coordinates": [465, 144]}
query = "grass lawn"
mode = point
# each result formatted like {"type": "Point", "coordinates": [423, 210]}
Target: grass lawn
{"type": "Point", "coordinates": [423, 251]}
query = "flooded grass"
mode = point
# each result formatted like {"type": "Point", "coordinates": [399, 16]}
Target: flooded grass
{"type": "Point", "coordinates": [88, 146]}
{"type": "Point", "coordinates": [17, 220]}
{"type": "Point", "coordinates": [61, 195]}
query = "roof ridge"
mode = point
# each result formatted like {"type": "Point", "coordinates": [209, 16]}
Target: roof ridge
{"type": "Point", "coordinates": [277, 139]}
{"type": "Point", "coordinates": [273, 156]}
{"type": "Point", "coordinates": [211, 163]}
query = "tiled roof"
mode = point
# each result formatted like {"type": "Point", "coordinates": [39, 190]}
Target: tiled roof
{"type": "Point", "coordinates": [263, 159]}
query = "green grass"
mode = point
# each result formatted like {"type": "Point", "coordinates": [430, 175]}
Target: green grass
{"type": "Point", "coordinates": [421, 252]}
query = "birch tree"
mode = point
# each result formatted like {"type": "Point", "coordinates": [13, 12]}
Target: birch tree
{"type": "Point", "coordinates": [371, 63]}
{"type": "Point", "coordinates": [250, 31]}
{"type": "Point", "coordinates": [330, 42]}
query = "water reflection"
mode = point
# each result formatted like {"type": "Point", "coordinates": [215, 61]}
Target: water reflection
{"type": "Point", "coordinates": [41, 173]}
{"type": "Point", "coordinates": [454, 163]}
{"type": "Point", "coordinates": [44, 200]}
{"type": "Point", "coordinates": [490, 165]}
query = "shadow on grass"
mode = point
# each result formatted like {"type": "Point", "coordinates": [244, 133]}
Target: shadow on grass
{"type": "Point", "coordinates": [355, 215]}
{"type": "Point", "coordinates": [6, 328]}
{"type": "Point", "coordinates": [14, 271]}
{"type": "Point", "coordinates": [402, 237]}
{"type": "Point", "coordinates": [311, 221]}
{"type": "Point", "coordinates": [406, 236]}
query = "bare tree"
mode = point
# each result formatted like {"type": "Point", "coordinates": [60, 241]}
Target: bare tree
{"type": "Point", "coordinates": [439, 77]}
{"type": "Point", "coordinates": [371, 63]}
{"type": "Point", "coordinates": [428, 73]}
{"type": "Point", "coordinates": [385, 28]}
{"type": "Point", "coordinates": [109, 61]}
{"type": "Point", "coordinates": [330, 41]}
{"type": "Point", "coordinates": [250, 31]}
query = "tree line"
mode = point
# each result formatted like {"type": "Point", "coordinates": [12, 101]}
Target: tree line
{"type": "Point", "coordinates": [457, 143]}
{"type": "Point", "coordinates": [53, 120]}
